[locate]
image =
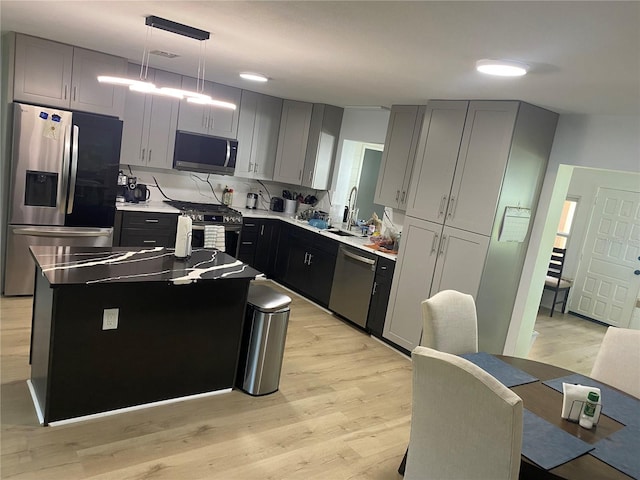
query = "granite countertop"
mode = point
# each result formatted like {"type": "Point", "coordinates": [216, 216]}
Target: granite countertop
{"type": "Point", "coordinates": [95, 265]}
{"type": "Point", "coordinates": [353, 241]}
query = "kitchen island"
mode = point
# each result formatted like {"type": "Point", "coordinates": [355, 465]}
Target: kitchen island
{"type": "Point", "coordinates": [122, 327]}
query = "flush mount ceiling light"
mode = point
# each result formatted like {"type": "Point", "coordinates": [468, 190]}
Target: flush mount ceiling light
{"type": "Point", "coordinates": [502, 68]}
{"type": "Point", "coordinates": [254, 77]}
{"type": "Point", "coordinates": [142, 85]}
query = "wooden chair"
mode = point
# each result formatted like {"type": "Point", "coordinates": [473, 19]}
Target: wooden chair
{"type": "Point", "coordinates": [465, 424]}
{"type": "Point", "coordinates": [554, 280]}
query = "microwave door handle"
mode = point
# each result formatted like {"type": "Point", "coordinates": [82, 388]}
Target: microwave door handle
{"type": "Point", "coordinates": [66, 158]}
{"type": "Point", "coordinates": [226, 160]}
{"type": "Point", "coordinates": [74, 168]}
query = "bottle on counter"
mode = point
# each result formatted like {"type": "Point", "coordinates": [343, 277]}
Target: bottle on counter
{"type": "Point", "coordinates": [589, 410]}
{"type": "Point", "coordinates": [227, 196]}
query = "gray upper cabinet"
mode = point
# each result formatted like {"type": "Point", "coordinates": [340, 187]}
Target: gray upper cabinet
{"type": "Point", "coordinates": [324, 131]}
{"type": "Point", "coordinates": [148, 135]}
{"type": "Point", "coordinates": [398, 155]}
{"type": "Point", "coordinates": [210, 119]}
{"type": "Point", "coordinates": [63, 76]}
{"type": "Point", "coordinates": [307, 143]}
{"type": "Point", "coordinates": [474, 160]}
{"type": "Point", "coordinates": [436, 159]}
{"type": "Point", "coordinates": [292, 141]}
{"type": "Point", "coordinates": [258, 129]}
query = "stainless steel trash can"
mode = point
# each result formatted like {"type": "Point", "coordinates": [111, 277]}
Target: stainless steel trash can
{"type": "Point", "coordinates": [263, 340]}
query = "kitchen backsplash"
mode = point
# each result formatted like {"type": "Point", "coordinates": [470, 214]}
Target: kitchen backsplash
{"type": "Point", "coordinates": [194, 187]}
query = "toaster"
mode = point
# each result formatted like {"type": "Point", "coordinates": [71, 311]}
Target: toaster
{"type": "Point", "coordinates": [277, 204]}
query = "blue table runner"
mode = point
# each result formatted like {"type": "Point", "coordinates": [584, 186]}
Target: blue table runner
{"type": "Point", "coordinates": [547, 445]}
{"type": "Point", "coordinates": [506, 374]}
{"type": "Point", "coordinates": [621, 450]}
{"type": "Point", "coordinates": [622, 408]}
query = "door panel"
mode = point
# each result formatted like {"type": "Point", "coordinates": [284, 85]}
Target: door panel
{"type": "Point", "coordinates": [607, 285]}
{"type": "Point", "coordinates": [411, 282]}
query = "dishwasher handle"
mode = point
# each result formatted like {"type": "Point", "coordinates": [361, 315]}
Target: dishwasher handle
{"type": "Point", "coordinates": [359, 258]}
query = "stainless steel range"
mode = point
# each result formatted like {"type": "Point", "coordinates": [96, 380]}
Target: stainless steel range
{"type": "Point", "coordinates": [203, 214]}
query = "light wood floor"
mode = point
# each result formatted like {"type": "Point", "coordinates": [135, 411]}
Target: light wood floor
{"type": "Point", "coordinates": [342, 412]}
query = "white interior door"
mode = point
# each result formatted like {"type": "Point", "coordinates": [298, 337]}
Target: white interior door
{"type": "Point", "coordinates": [608, 278]}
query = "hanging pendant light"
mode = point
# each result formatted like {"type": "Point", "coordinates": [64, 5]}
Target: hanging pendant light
{"type": "Point", "coordinates": [142, 85]}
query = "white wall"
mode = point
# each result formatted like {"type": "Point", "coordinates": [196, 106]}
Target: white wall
{"type": "Point", "coordinates": [362, 125]}
{"type": "Point", "coordinates": [596, 141]}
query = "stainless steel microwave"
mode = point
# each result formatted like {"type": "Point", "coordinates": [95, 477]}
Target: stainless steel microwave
{"type": "Point", "coordinates": [203, 153]}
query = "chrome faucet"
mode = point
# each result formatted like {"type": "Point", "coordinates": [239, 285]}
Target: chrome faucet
{"type": "Point", "coordinates": [352, 206]}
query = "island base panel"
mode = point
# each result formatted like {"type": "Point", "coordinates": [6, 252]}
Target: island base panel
{"type": "Point", "coordinates": [171, 341]}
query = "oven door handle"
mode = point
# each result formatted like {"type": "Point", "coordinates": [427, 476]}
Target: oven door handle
{"type": "Point", "coordinates": [197, 227]}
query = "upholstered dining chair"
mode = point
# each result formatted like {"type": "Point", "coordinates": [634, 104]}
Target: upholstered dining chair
{"type": "Point", "coordinates": [464, 422]}
{"type": "Point", "coordinates": [618, 360]}
{"type": "Point", "coordinates": [449, 323]}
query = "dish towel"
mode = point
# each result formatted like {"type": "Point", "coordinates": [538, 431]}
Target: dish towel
{"type": "Point", "coordinates": [214, 237]}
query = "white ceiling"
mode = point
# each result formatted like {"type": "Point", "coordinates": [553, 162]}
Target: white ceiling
{"type": "Point", "coordinates": [584, 56]}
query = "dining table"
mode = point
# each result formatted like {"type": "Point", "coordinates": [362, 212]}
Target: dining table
{"type": "Point", "coordinates": [546, 403]}
{"type": "Point", "coordinates": [557, 448]}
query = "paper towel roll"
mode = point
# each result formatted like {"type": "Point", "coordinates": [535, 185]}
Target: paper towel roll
{"type": "Point", "coordinates": [183, 237]}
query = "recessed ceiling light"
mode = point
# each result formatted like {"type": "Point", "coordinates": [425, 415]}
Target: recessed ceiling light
{"type": "Point", "coordinates": [503, 68]}
{"type": "Point", "coordinates": [255, 77]}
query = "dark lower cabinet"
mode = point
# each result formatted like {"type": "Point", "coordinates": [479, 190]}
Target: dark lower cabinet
{"type": "Point", "coordinates": [380, 296]}
{"type": "Point", "coordinates": [145, 229]}
{"type": "Point", "coordinates": [305, 262]}
{"type": "Point", "coordinates": [259, 244]}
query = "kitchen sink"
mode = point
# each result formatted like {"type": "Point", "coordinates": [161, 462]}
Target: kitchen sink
{"type": "Point", "coordinates": [343, 233]}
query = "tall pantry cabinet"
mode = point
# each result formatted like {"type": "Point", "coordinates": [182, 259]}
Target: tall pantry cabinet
{"type": "Point", "coordinates": [474, 159]}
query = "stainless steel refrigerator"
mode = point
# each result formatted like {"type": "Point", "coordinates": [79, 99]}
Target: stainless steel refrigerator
{"type": "Point", "coordinates": [64, 174]}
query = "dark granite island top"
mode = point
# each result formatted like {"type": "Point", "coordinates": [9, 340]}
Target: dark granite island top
{"type": "Point", "coordinates": [114, 328]}
{"type": "Point", "coordinates": [91, 265]}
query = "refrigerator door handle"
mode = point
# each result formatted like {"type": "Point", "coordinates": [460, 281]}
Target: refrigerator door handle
{"type": "Point", "coordinates": [74, 169]}
{"type": "Point", "coordinates": [44, 232]}
{"type": "Point", "coordinates": [66, 159]}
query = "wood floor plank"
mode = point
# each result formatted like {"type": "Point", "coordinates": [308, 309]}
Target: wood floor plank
{"type": "Point", "coordinates": [342, 411]}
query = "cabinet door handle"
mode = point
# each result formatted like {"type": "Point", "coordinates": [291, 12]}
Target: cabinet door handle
{"type": "Point", "coordinates": [74, 93]}
{"type": "Point", "coordinates": [310, 257]}
{"type": "Point", "coordinates": [148, 241]}
{"type": "Point", "coordinates": [261, 230]}
{"type": "Point", "coordinates": [300, 175]}
{"type": "Point", "coordinates": [142, 156]}
{"type": "Point", "coordinates": [247, 243]}
{"type": "Point", "coordinates": [151, 220]}
{"type": "Point", "coordinates": [375, 288]}
{"type": "Point", "coordinates": [443, 243]}
{"type": "Point", "coordinates": [255, 167]}
{"type": "Point", "coordinates": [310, 176]}
{"type": "Point", "coordinates": [149, 160]}
{"type": "Point", "coordinates": [65, 92]}
{"type": "Point", "coordinates": [397, 195]}
{"type": "Point", "coordinates": [402, 198]}
{"type": "Point", "coordinates": [306, 255]}
{"type": "Point", "coordinates": [442, 204]}
{"type": "Point", "coordinates": [450, 208]}
{"type": "Point", "coordinates": [434, 244]}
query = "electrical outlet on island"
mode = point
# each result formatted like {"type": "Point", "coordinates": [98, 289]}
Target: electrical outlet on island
{"type": "Point", "coordinates": [110, 318]}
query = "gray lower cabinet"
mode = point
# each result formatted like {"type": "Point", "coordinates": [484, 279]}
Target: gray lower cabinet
{"type": "Point", "coordinates": [145, 229]}
{"type": "Point", "coordinates": [380, 296]}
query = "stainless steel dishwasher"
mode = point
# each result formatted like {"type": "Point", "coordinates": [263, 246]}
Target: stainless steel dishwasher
{"type": "Point", "coordinates": [352, 284]}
